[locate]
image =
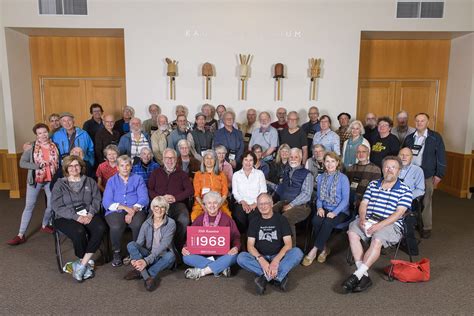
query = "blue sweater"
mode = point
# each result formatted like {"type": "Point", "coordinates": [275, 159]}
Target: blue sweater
{"type": "Point", "coordinates": [129, 194]}
{"type": "Point", "coordinates": [342, 194]}
{"type": "Point", "coordinates": [82, 140]}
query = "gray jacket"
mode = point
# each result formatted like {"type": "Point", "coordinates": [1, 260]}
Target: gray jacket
{"type": "Point", "coordinates": [27, 162]}
{"type": "Point", "coordinates": [64, 198]}
{"type": "Point", "coordinates": [145, 238]}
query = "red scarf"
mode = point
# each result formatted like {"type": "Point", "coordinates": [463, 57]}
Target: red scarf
{"type": "Point", "coordinates": [205, 221]}
{"type": "Point", "coordinates": [50, 166]}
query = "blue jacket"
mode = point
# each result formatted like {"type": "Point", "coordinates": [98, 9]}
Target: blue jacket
{"type": "Point", "coordinates": [125, 143]}
{"type": "Point", "coordinates": [231, 140]}
{"type": "Point", "coordinates": [82, 140]}
{"type": "Point", "coordinates": [433, 161]}
{"type": "Point", "coordinates": [289, 188]}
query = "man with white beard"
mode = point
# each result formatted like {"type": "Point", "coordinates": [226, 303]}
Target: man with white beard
{"type": "Point", "coordinates": [159, 138]}
{"type": "Point", "coordinates": [266, 136]}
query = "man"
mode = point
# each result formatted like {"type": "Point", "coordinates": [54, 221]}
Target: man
{"type": "Point", "coordinates": [132, 143]}
{"type": "Point", "coordinates": [312, 126]}
{"type": "Point", "coordinates": [385, 144]}
{"type": "Point", "coordinates": [361, 174]}
{"type": "Point", "coordinates": [380, 219]}
{"type": "Point", "coordinates": [231, 138]}
{"type": "Point", "coordinates": [270, 253]}
{"type": "Point", "coordinates": [249, 126]}
{"type": "Point", "coordinates": [150, 125]}
{"type": "Point", "coordinates": [94, 124]}
{"type": "Point", "coordinates": [221, 109]}
{"type": "Point", "coordinates": [294, 192]}
{"type": "Point", "coordinates": [180, 132]}
{"type": "Point", "coordinates": [402, 129]}
{"type": "Point", "coordinates": [412, 175]}
{"type": "Point", "coordinates": [145, 166]}
{"type": "Point", "coordinates": [104, 137]}
{"type": "Point", "coordinates": [200, 138]}
{"type": "Point", "coordinates": [54, 124]}
{"type": "Point", "coordinates": [429, 153]}
{"type": "Point", "coordinates": [181, 110]}
{"type": "Point", "coordinates": [294, 136]}
{"type": "Point", "coordinates": [280, 123]}
{"type": "Point", "coordinates": [343, 132]}
{"type": "Point", "coordinates": [175, 186]}
{"type": "Point", "coordinates": [159, 140]}
{"type": "Point", "coordinates": [69, 136]}
{"type": "Point", "coordinates": [266, 136]}
{"type": "Point", "coordinates": [370, 128]}
{"type": "Point", "coordinates": [315, 164]}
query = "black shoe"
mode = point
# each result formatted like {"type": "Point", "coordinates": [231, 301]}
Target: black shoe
{"type": "Point", "coordinates": [150, 284]}
{"type": "Point", "coordinates": [283, 284]}
{"type": "Point", "coordinates": [426, 234]}
{"type": "Point", "coordinates": [363, 285]}
{"type": "Point", "coordinates": [117, 259]}
{"type": "Point", "coordinates": [350, 283]}
{"type": "Point", "coordinates": [260, 284]}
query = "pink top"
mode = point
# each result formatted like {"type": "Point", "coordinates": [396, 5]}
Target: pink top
{"type": "Point", "coordinates": [226, 168]}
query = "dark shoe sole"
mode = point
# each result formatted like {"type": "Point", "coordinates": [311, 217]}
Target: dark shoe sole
{"type": "Point", "coordinates": [359, 289]}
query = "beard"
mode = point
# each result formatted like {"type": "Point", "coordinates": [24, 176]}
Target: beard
{"type": "Point", "coordinates": [294, 164]}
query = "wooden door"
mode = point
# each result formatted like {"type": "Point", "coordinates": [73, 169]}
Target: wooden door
{"type": "Point", "coordinates": [417, 96]}
{"type": "Point", "coordinates": [376, 97]}
{"type": "Point", "coordinates": [76, 96]}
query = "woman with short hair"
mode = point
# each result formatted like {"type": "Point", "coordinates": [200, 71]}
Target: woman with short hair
{"type": "Point", "coordinates": [108, 168]}
{"type": "Point", "coordinates": [260, 164]}
{"type": "Point", "coordinates": [224, 165]}
{"type": "Point", "coordinates": [349, 149]}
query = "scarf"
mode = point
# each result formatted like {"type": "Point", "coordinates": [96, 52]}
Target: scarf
{"type": "Point", "coordinates": [350, 153]}
{"type": "Point", "coordinates": [328, 194]}
{"type": "Point", "coordinates": [205, 221]}
{"type": "Point", "coordinates": [50, 165]}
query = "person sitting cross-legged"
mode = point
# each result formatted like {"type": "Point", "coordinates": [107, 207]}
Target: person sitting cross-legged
{"type": "Point", "coordinates": [380, 219]}
{"type": "Point", "coordinates": [270, 253]}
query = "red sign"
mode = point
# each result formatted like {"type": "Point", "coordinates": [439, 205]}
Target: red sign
{"type": "Point", "coordinates": [208, 240]}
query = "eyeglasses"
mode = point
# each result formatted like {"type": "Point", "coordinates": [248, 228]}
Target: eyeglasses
{"type": "Point", "coordinates": [390, 168]}
{"type": "Point", "coordinates": [263, 203]}
{"type": "Point", "coordinates": [170, 158]}
{"type": "Point", "coordinates": [74, 166]}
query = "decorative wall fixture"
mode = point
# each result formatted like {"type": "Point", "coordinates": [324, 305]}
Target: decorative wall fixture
{"type": "Point", "coordinates": [172, 72]}
{"type": "Point", "coordinates": [314, 73]}
{"type": "Point", "coordinates": [244, 73]}
{"type": "Point", "coordinates": [278, 74]}
{"type": "Point", "coordinates": [208, 72]}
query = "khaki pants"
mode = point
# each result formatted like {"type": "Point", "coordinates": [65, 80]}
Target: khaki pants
{"type": "Point", "coordinates": [294, 215]}
{"type": "Point", "coordinates": [427, 201]}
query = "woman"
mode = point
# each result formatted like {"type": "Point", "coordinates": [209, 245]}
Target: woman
{"type": "Point", "coordinates": [41, 160]}
{"type": "Point", "coordinates": [349, 149]}
{"type": "Point", "coordinates": [326, 137]}
{"type": "Point", "coordinates": [107, 168]}
{"type": "Point", "coordinates": [210, 112]}
{"type": "Point", "coordinates": [224, 165]}
{"type": "Point", "coordinates": [280, 164]}
{"type": "Point", "coordinates": [259, 163]}
{"type": "Point", "coordinates": [186, 161]}
{"type": "Point", "coordinates": [209, 178]}
{"type": "Point", "coordinates": [125, 201]}
{"type": "Point", "coordinates": [76, 203]}
{"type": "Point", "coordinates": [332, 206]}
{"type": "Point", "coordinates": [123, 125]}
{"type": "Point", "coordinates": [152, 252]}
{"type": "Point", "coordinates": [212, 217]}
{"type": "Point", "coordinates": [248, 184]}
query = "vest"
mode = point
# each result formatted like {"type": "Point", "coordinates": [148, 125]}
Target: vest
{"type": "Point", "coordinates": [290, 188]}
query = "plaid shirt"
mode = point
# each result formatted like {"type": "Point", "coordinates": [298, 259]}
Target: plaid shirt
{"type": "Point", "coordinates": [144, 171]}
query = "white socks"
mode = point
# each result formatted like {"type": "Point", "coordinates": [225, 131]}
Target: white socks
{"type": "Point", "coordinates": [206, 271]}
{"type": "Point", "coordinates": [361, 270]}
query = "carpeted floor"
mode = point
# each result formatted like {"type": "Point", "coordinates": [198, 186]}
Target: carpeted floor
{"type": "Point", "coordinates": [31, 283]}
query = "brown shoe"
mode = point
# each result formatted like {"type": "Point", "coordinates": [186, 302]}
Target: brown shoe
{"type": "Point", "coordinates": [132, 275]}
{"type": "Point", "coordinates": [150, 284]}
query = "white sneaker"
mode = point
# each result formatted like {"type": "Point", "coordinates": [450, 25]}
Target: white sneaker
{"type": "Point", "coordinates": [192, 273]}
{"type": "Point", "coordinates": [226, 273]}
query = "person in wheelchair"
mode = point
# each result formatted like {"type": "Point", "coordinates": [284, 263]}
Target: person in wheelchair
{"type": "Point", "coordinates": [380, 219]}
{"type": "Point", "coordinates": [153, 250]}
{"type": "Point", "coordinates": [76, 203]}
{"type": "Point", "coordinates": [332, 206]}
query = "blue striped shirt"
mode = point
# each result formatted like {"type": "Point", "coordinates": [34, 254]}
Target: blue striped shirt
{"type": "Point", "coordinates": [385, 202]}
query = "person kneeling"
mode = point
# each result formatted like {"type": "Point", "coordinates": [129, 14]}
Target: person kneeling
{"type": "Point", "coordinates": [152, 252]}
{"type": "Point", "coordinates": [213, 216]}
{"type": "Point", "coordinates": [270, 253]}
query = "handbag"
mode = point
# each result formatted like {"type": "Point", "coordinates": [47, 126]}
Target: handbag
{"type": "Point", "coordinates": [406, 271]}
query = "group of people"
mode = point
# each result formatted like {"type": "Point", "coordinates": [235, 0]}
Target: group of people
{"type": "Point", "coordinates": [258, 178]}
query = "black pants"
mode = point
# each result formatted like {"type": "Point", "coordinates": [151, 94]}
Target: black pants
{"type": "Point", "coordinates": [85, 238]}
{"type": "Point", "coordinates": [243, 219]}
{"type": "Point", "coordinates": [179, 212]}
{"type": "Point", "coordinates": [322, 228]}
{"type": "Point", "coordinates": [117, 225]}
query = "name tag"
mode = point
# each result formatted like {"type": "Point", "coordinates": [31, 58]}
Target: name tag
{"type": "Point", "coordinates": [247, 137]}
{"type": "Point", "coordinates": [416, 150]}
{"type": "Point", "coordinates": [203, 150]}
{"type": "Point", "coordinates": [205, 190]}
{"type": "Point", "coordinates": [232, 155]}
{"type": "Point", "coordinates": [355, 183]}
{"type": "Point", "coordinates": [310, 135]}
{"type": "Point", "coordinates": [208, 240]}
{"type": "Point", "coordinates": [80, 210]}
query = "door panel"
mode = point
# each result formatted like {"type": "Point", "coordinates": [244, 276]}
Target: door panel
{"type": "Point", "coordinates": [108, 93]}
{"type": "Point", "coordinates": [417, 96]}
{"type": "Point", "coordinates": [377, 97]}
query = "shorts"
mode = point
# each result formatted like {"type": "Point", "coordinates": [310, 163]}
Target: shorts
{"type": "Point", "coordinates": [389, 235]}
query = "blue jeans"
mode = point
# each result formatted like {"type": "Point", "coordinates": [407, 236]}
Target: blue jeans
{"type": "Point", "coordinates": [291, 259]}
{"type": "Point", "coordinates": [32, 192]}
{"type": "Point", "coordinates": [220, 264]}
{"type": "Point", "coordinates": [137, 252]}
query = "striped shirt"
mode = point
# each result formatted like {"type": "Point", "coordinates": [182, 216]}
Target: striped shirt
{"type": "Point", "coordinates": [384, 203]}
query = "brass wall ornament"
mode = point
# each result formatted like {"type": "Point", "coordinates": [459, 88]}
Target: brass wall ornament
{"type": "Point", "coordinates": [278, 74]}
{"type": "Point", "coordinates": [244, 73]}
{"type": "Point", "coordinates": [314, 73]}
{"type": "Point", "coordinates": [208, 72]}
{"type": "Point", "coordinates": [172, 72]}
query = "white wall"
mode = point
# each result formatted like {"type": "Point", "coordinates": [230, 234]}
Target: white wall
{"type": "Point", "coordinates": [459, 95]}
{"type": "Point", "coordinates": [194, 32]}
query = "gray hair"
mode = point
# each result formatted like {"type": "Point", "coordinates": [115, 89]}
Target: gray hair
{"type": "Point", "coordinates": [394, 158]}
{"type": "Point", "coordinates": [182, 107]}
{"type": "Point", "coordinates": [212, 195]}
{"type": "Point", "coordinates": [124, 158]}
{"type": "Point", "coordinates": [402, 112]}
{"type": "Point", "coordinates": [264, 113]}
{"type": "Point", "coordinates": [129, 108]}
{"type": "Point", "coordinates": [183, 141]}
{"type": "Point", "coordinates": [213, 154]}
{"type": "Point", "coordinates": [298, 151]}
{"type": "Point", "coordinates": [111, 147]}
{"type": "Point", "coordinates": [171, 150]}
{"type": "Point", "coordinates": [160, 201]}
{"type": "Point", "coordinates": [145, 149]}
{"type": "Point", "coordinates": [318, 146]}
{"type": "Point", "coordinates": [361, 126]}
{"type": "Point", "coordinates": [264, 195]}
{"type": "Point", "coordinates": [220, 148]}
{"type": "Point", "coordinates": [154, 105]}
{"type": "Point", "coordinates": [227, 113]}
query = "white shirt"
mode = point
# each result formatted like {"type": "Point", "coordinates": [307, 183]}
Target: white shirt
{"type": "Point", "coordinates": [419, 140]}
{"type": "Point", "coordinates": [248, 188]}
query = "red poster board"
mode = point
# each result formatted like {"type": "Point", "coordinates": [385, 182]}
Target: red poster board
{"type": "Point", "coordinates": [208, 240]}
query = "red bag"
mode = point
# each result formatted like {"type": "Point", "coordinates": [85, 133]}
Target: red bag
{"type": "Point", "coordinates": [406, 271]}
